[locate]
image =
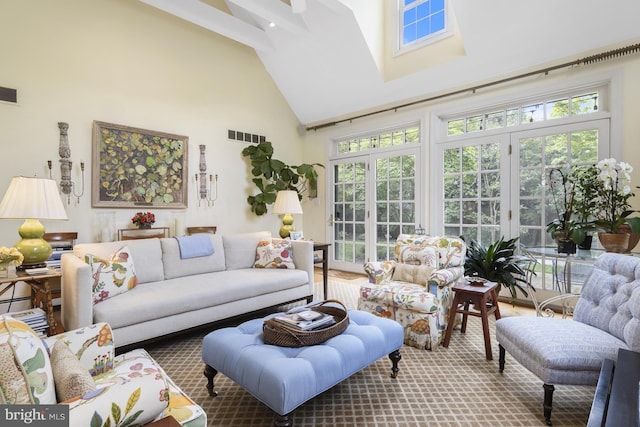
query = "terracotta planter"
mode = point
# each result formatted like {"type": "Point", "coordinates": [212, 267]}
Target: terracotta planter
{"type": "Point", "coordinates": [633, 238]}
{"type": "Point", "coordinates": [614, 242]}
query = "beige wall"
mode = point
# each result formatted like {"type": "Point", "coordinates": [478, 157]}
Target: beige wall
{"type": "Point", "coordinates": [123, 62]}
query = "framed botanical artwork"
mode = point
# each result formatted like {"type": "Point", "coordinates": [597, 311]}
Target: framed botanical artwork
{"type": "Point", "coordinates": [134, 167]}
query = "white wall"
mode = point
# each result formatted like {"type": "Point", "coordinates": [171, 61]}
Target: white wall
{"type": "Point", "coordinates": [123, 62]}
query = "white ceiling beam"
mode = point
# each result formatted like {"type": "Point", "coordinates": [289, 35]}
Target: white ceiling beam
{"type": "Point", "coordinates": [274, 11]}
{"type": "Point", "coordinates": [215, 20]}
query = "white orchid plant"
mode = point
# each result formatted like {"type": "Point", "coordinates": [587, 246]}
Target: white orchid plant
{"type": "Point", "coordinates": [614, 192]}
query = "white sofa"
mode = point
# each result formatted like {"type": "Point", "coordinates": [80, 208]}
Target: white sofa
{"type": "Point", "coordinates": [175, 294]}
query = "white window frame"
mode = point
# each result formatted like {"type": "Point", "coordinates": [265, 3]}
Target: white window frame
{"type": "Point", "coordinates": [400, 49]}
{"type": "Point", "coordinates": [610, 102]}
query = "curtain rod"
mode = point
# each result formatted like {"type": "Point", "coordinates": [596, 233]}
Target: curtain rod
{"type": "Point", "coordinates": [604, 56]}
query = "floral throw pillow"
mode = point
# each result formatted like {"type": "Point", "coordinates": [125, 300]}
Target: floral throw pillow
{"type": "Point", "coordinates": [112, 277]}
{"type": "Point", "coordinates": [274, 254]}
{"type": "Point", "coordinates": [418, 255]}
{"type": "Point", "coordinates": [25, 370]}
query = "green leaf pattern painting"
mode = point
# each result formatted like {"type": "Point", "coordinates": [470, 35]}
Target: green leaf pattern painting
{"type": "Point", "coordinates": [137, 167]}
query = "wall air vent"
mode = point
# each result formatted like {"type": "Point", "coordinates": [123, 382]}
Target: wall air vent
{"type": "Point", "coordinates": [237, 135]}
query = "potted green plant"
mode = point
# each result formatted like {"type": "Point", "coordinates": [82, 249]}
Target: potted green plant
{"type": "Point", "coordinates": [272, 175]}
{"type": "Point", "coordinates": [585, 200]}
{"type": "Point", "coordinates": [498, 263]}
{"type": "Point", "coordinates": [565, 230]}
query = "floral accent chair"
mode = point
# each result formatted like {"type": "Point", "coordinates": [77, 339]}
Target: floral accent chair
{"type": "Point", "coordinates": [79, 368]}
{"type": "Point", "coordinates": [415, 288]}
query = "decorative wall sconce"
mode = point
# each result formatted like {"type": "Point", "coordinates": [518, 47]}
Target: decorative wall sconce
{"type": "Point", "coordinates": [204, 190]}
{"type": "Point", "coordinates": [66, 185]}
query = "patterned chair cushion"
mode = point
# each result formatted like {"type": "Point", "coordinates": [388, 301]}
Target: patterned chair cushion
{"type": "Point", "coordinates": [112, 276]}
{"type": "Point", "coordinates": [25, 371]}
{"type": "Point", "coordinates": [131, 389]}
{"type": "Point", "coordinates": [274, 253]}
{"type": "Point", "coordinates": [379, 272]}
{"type": "Point", "coordinates": [451, 250]}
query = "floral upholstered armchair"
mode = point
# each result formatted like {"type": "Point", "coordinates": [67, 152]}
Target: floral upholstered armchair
{"type": "Point", "coordinates": [79, 368]}
{"type": "Point", "coordinates": [415, 288]}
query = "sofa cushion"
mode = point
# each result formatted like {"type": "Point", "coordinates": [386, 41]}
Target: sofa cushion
{"type": "Point", "coordinates": [175, 266]}
{"type": "Point", "coordinates": [70, 377]}
{"type": "Point", "coordinates": [146, 252]}
{"type": "Point", "coordinates": [276, 253]}
{"type": "Point", "coordinates": [25, 369]}
{"type": "Point", "coordinates": [199, 291]}
{"type": "Point", "coordinates": [240, 249]}
{"type": "Point", "coordinates": [113, 276]}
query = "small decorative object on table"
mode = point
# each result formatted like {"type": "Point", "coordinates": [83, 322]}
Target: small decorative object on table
{"type": "Point", "coordinates": [9, 257]}
{"type": "Point", "coordinates": [476, 280]}
{"type": "Point", "coordinates": [144, 219]}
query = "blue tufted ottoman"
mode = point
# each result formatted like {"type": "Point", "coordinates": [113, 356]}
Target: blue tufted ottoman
{"type": "Point", "coordinates": [284, 378]}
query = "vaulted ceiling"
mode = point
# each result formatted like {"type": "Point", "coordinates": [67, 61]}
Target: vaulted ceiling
{"type": "Point", "coordinates": [333, 58]}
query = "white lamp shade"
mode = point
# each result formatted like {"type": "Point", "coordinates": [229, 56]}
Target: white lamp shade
{"type": "Point", "coordinates": [287, 202]}
{"type": "Point", "coordinates": [32, 198]}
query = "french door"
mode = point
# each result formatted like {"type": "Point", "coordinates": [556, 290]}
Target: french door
{"type": "Point", "coordinates": [498, 186]}
{"type": "Point", "coordinates": [375, 197]}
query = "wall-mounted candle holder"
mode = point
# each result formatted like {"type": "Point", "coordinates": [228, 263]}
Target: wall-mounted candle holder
{"type": "Point", "coordinates": [67, 186]}
{"type": "Point", "coordinates": [207, 190]}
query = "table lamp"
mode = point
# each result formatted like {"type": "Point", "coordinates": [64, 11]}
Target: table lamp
{"type": "Point", "coordinates": [32, 199]}
{"type": "Point", "coordinates": [287, 203]}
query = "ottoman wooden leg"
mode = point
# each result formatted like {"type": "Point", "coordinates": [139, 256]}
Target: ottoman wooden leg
{"type": "Point", "coordinates": [395, 358]}
{"type": "Point", "coordinates": [209, 372]}
{"type": "Point", "coordinates": [282, 421]}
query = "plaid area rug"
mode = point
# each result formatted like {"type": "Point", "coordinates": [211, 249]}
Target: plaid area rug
{"type": "Point", "coordinates": [447, 387]}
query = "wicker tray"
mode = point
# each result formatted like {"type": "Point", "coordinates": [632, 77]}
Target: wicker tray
{"type": "Point", "coordinates": [279, 334]}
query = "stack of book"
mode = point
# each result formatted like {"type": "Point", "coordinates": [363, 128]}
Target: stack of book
{"type": "Point", "coordinates": [58, 248]}
{"type": "Point", "coordinates": [306, 320]}
{"type": "Point", "coordinates": [36, 318]}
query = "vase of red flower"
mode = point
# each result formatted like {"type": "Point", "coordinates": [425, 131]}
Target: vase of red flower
{"type": "Point", "coordinates": [144, 219]}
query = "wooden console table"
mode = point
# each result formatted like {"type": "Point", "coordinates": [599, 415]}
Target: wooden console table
{"type": "Point", "coordinates": [40, 292]}
{"type": "Point", "coordinates": [142, 233]}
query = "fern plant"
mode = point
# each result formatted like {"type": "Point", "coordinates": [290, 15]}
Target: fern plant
{"type": "Point", "coordinates": [499, 263]}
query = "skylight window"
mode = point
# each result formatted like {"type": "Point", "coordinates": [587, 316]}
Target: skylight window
{"type": "Point", "coordinates": [421, 20]}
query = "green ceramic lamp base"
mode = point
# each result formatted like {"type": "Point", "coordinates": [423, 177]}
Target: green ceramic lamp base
{"type": "Point", "coordinates": [287, 226]}
{"type": "Point", "coordinates": [34, 248]}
